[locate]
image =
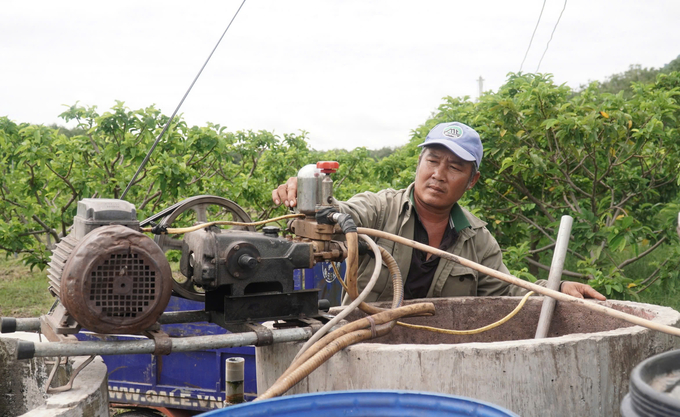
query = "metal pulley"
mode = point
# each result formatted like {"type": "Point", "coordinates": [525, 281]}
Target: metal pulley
{"type": "Point", "coordinates": [116, 280]}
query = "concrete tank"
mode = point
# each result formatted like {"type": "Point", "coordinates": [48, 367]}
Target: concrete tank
{"type": "Point", "coordinates": [581, 369]}
{"type": "Point", "coordinates": [22, 385]}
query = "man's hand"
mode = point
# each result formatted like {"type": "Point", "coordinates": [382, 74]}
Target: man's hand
{"type": "Point", "coordinates": [578, 290]}
{"type": "Point", "coordinates": [286, 192]}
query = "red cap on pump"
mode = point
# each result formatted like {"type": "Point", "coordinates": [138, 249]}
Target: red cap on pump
{"type": "Point", "coordinates": [328, 167]}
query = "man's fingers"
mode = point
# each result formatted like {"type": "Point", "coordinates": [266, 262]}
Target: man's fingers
{"type": "Point", "coordinates": [280, 194]}
{"type": "Point", "coordinates": [578, 290]}
{"type": "Point", "coordinates": [291, 195]}
{"type": "Point", "coordinates": [275, 196]}
{"type": "Point", "coordinates": [591, 293]}
{"type": "Point", "coordinates": [575, 293]}
{"type": "Point", "coordinates": [286, 193]}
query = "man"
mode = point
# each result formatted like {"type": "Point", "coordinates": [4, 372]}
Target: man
{"type": "Point", "coordinates": [427, 211]}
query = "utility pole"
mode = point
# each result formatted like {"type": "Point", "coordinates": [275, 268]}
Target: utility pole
{"type": "Point", "coordinates": [481, 86]}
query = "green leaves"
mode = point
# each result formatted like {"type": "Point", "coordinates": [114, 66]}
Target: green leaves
{"type": "Point", "coordinates": [47, 171]}
{"type": "Point", "coordinates": [609, 161]}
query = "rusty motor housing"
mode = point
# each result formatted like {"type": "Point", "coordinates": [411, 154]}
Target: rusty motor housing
{"type": "Point", "coordinates": [110, 277]}
{"type": "Point", "coordinates": [116, 281]}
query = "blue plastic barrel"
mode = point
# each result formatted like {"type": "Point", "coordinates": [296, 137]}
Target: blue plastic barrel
{"type": "Point", "coordinates": [364, 403]}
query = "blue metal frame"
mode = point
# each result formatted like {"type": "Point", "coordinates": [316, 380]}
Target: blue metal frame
{"type": "Point", "coordinates": [329, 287]}
{"type": "Point", "coordinates": [193, 380]}
{"type": "Point", "coordinates": [185, 380]}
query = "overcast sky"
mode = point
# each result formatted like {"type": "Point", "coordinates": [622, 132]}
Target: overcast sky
{"type": "Point", "coordinates": [351, 73]}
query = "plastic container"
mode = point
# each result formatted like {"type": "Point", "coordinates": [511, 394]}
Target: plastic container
{"type": "Point", "coordinates": [654, 387]}
{"type": "Point", "coordinates": [365, 403]}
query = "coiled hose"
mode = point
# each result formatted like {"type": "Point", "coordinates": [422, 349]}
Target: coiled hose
{"type": "Point", "coordinates": [315, 353]}
{"type": "Point", "coordinates": [339, 339]}
{"type": "Point", "coordinates": [359, 299]}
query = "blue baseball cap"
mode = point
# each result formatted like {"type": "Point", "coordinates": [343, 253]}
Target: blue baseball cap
{"type": "Point", "coordinates": [459, 138]}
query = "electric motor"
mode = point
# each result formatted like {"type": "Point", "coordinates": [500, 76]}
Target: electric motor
{"type": "Point", "coordinates": [109, 277]}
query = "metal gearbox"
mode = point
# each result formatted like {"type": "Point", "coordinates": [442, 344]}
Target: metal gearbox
{"type": "Point", "coordinates": [247, 275]}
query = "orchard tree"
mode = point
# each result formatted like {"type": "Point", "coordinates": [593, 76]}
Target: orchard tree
{"type": "Point", "coordinates": [46, 172]}
{"type": "Point", "coordinates": [609, 162]}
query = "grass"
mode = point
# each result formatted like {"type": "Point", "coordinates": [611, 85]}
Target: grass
{"type": "Point", "coordinates": [23, 293]}
{"type": "Point", "coordinates": [664, 293]}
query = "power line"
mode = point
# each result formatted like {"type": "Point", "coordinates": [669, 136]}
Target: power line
{"type": "Point", "coordinates": [551, 35]}
{"type": "Point", "coordinates": [167, 125]}
{"type": "Point", "coordinates": [532, 36]}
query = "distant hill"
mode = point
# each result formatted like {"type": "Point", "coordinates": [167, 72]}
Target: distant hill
{"type": "Point", "coordinates": [635, 73]}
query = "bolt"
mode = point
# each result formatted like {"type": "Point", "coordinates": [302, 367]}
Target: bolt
{"type": "Point", "coordinates": [247, 261]}
{"type": "Point", "coordinates": [237, 247]}
{"type": "Point", "coordinates": [236, 274]}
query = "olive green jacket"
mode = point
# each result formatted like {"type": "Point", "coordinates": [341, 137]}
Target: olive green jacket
{"type": "Point", "coordinates": [392, 211]}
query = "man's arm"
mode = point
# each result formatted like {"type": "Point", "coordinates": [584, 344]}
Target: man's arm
{"type": "Point", "coordinates": [493, 258]}
{"type": "Point", "coordinates": [365, 208]}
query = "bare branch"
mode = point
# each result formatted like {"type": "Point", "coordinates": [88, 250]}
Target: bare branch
{"type": "Point", "coordinates": [155, 204]}
{"type": "Point", "coordinates": [207, 171]}
{"type": "Point", "coordinates": [524, 190]}
{"type": "Point", "coordinates": [579, 164]}
{"type": "Point", "coordinates": [201, 158]}
{"type": "Point", "coordinates": [140, 179]}
{"type": "Point", "coordinates": [146, 201]}
{"type": "Point", "coordinates": [564, 272]}
{"type": "Point", "coordinates": [523, 217]}
{"type": "Point", "coordinates": [573, 208]}
{"type": "Point", "coordinates": [255, 161]}
{"type": "Point", "coordinates": [568, 180]}
{"type": "Point", "coordinates": [35, 232]}
{"type": "Point", "coordinates": [94, 144]}
{"type": "Point", "coordinates": [652, 278]}
{"type": "Point", "coordinates": [552, 245]}
{"type": "Point", "coordinates": [47, 228]}
{"type": "Point", "coordinates": [543, 249]}
{"type": "Point", "coordinates": [266, 214]}
{"type": "Point", "coordinates": [339, 183]}
{"type": "Point", "coordinates": [642, 255]}
{"type": "Point", "coordinates": [16, 250]}
{"type": "Point", "coordinates": [74, 193]}
{"type": "Point", "coordinates": [12, 202]}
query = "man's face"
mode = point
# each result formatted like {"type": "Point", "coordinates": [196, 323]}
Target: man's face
{"type": "Point", "coordinates": [442, 178]}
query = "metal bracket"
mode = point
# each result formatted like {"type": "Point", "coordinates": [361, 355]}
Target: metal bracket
{"type": "Point", "coordinates": [265, 337]}
{"type": "Point", "coordinates": [314, 324]}
{"type": "Point", "coordinates": [162, 341]}
{"type": "Point", "coordinates": [269, 306]}
{"type": "Point", "coordinates": [57, 324]}
{"type": "Point", "coordinates": [53, 334]}
{"type": "Point", "coordinates": [74, 374]}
